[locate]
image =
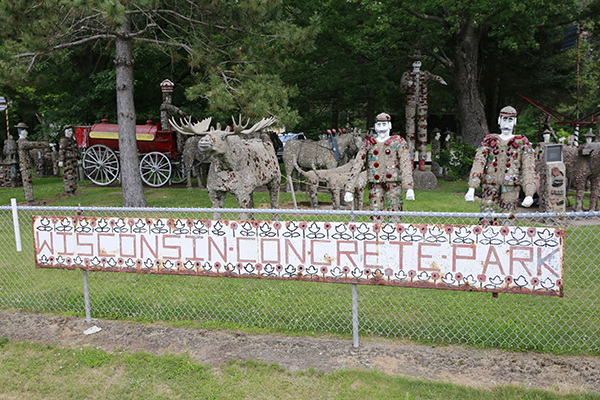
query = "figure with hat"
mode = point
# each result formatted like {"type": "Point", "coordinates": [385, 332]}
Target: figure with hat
{"type": "Point", "coordinates": [414, 85]}
{"type": "Point", "coordinates": [68, 158]}
{"type": "Point", "coordinates": [387, 162]}
{"type": "Point", "coordinates": [503, 165]}
{"type": "Point", "coordinates": [25, 146]}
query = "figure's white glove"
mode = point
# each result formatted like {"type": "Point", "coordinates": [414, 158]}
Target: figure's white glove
{"type": "Point", "coordinates": [528, 201]}
{"type": "Point", "coordinates": [410, 194]}
{"type": "Point", "coordinates": [470, 196]}
{"type": "Point", "coordinates": [443, 82]}
{"type": "Point", "coordinates": [348, 197]}
{"type": "Point", "coordinates": [60, 164]}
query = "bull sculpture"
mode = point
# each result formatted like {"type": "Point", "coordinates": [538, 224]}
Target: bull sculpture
{"type": "Point", "coordinates": [193, 160]}
{"type": "Point", "coordinates": [238, 165]}
{"type": "Point", "coordinates": [311, 155]}
{"type": "Point", "coordinates": [580, 168]}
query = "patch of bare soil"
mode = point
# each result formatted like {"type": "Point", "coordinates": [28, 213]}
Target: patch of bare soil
{"type": "Point", "coordinates": [481, 368]}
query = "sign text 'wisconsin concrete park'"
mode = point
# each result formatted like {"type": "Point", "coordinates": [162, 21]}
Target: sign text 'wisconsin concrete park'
{"type": "Point", "coordinates": [474, 258]}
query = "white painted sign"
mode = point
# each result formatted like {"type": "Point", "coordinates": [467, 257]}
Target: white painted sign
{"type": "Point", "coordinates": [472, 258]}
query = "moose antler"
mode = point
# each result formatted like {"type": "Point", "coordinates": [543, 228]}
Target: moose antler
{"type": "Point", "coordinates": [238, 127]}
{"type": "Point", "coordinates": [187, 128]}
{"type": "Point", "coordinates": [263, 123]}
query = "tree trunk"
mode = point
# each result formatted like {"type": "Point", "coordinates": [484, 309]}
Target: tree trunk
{"type": "Point", "coordinates": [471, 111]}
{"type": "Point", "coordinates": [131, 179]}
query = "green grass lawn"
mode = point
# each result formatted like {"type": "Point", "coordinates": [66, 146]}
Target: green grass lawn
{"type": "Point", "coordinates": [519, 322]}
{"type": "Point", "coordinates": [33, 371]}
{"type": "Point", "coordinates": [449, 197]}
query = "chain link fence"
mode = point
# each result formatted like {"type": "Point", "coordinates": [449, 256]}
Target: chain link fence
{"type": "Point", "coordinates": [511, 321]}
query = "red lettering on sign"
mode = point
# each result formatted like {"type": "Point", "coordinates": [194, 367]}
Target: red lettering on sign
{"type": "Point", "coordinates": [347, 253]}
{"type": "Point", "coordinates": [401, 252]}
{"type": "Point", "coordinates": [371, 253]}
{"type": "Point", "coordinates": [45, 243]}
{"type": "Point", "coordinates": [125, 247]}
{"type": "Point", "coordinates": [496, 261]}
{"type": "Point", "coordinates": [65, 243]}
{"type": "Point", "coordinates": [514, 259]}
{"type": "Point", "coordinates": [90, 245]}
{"type": "Point", "coordinates": [301, 258]}
{"type": "Point", "coordinates": [421, 256]}
{"type": "Point", "coordinates": [101, 250]}
{"type": "Point", "coordinates": [456, 256]}
{"type": "Point", "coordinates": [223, 254]}
{"type": "Point", "coordinates": [178, 248]}
{"type": "Point", "coordinates": [542, 261]}
{"type": "Point", "coordinates": [194, 247]}
{"type": "Point", "coordinates": [312, 253]}
{"type": "Point", "coordinates": [144, 240]}
{"type": "Point", "coordinates": [264, 259]}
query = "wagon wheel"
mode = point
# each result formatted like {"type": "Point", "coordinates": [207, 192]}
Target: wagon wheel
{"type": "Point", "coordinates": [155, 168]}
{"type": "Point", "coordinates": [100, 165]}
{"type": "Point", "coordinates": [179, 174]}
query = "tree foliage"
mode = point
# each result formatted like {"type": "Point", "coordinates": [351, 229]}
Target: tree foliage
{"type": "Point", "coordinates": [225, 45]}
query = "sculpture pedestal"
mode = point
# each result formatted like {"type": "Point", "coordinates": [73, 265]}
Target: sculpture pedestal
{"type": "Point", "coordinates": [424, 180]}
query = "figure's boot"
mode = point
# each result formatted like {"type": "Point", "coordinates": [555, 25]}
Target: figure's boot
{"type": "Point", "coordinates": [421, 165]}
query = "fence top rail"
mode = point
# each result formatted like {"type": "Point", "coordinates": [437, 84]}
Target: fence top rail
{"type": "Point", "coordinates": [532, 215]}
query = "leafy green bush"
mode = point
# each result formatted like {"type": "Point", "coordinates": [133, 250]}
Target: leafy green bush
{"type": "Point", "coordinates": [458, 160]}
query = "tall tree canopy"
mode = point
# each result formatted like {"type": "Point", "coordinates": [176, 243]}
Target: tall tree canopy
{"type": "Point", "coordinates": [455, 32]}
{"type": "Point", "coordinates": [225, 42]}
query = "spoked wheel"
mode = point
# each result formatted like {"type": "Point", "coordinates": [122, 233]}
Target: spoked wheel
{"type": "Point", "coordinates": [155, 168]}
{"type": "Point", "coordinates": [100, 165]}
{"type": "Point", "coordinates": [178, 167]}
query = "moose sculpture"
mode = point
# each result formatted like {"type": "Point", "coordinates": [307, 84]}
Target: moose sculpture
{"type": "Point", "coordinates": [238, 165]}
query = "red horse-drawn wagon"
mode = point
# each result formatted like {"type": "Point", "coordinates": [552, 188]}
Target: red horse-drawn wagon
{"type": "Point", "coordinates": [160, 162]}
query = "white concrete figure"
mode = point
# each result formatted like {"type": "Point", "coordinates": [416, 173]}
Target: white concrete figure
{"type": "Point", "coordinates": [503, 165]}
{"type": "Point", "coordinates": [389, 169]}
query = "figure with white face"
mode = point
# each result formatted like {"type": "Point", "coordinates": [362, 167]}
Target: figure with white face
{"type": "Point", "coordinates": [436, 147]}
{"type": "Point", "coordinates": [68, 158]}
{"type": "Point", "coordinates": [503, 165]}
{"type": "Point", "coordinates": [414, 85]}
{"type": "Point", "coordinates": [387, 162]}
{"type": "Point", "coordinates": [25, 146]}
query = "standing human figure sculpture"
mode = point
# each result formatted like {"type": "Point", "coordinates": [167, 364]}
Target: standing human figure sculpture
{"type": "Point", "coordinates": [503, 165]}
{"type": "Point", "coordinates": [414, 85]}
{"type": "Point", "coordinates": [68, 159]}
{"type": "Point", "coordinates": [25, 146]}
{"type": "Point", "coordinates": [435, 153]}
{"type": "Point", "coordinates": [387, 162]}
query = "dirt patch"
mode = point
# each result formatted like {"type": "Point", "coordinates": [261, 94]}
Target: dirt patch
{"type": "Point", "coordinates": [456, 364]}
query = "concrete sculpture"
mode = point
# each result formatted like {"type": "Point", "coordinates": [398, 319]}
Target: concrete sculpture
{"type": "Point", "coordinates": [503, 165]}
{"type": "Point", "coordinates": [68, 159]}
{"type": "Point", "coordinates": [386, 160]}
{"type": "Point", "coordinates": [414, 85]}
{"type": "Point", "coordinates": [238, 165]}
{"type": "Point", "coordinates": [25, 146]}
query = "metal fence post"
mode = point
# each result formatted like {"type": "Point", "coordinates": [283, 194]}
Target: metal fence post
{"type": "Point", "coordinates": [15, 216]}
{"type": "Point", "coordinates": [355, 315]}
{"type": "Point", "coordinates": [86, 286]}
{"type": "Point", "coordinates": [354, 298]}
{"type": "Point", "coordinates": [86, 297]}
